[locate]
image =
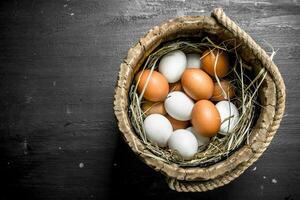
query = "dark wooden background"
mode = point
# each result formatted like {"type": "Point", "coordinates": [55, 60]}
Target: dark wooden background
{"type": "Point", "coordinates": [58, 66]}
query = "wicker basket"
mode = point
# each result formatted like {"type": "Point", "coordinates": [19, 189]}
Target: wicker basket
{"type": "Point", "coordinates": [271, 96]}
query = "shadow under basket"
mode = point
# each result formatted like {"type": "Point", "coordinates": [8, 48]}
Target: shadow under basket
{"type": "Point", "coordinates": [271, 97]}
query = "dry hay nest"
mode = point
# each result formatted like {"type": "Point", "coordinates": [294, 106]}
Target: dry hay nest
{"type": "Point", "coordinates": [205, 172]}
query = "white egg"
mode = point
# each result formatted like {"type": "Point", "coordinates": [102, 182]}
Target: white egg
{"type": "Point", "coordinates": [229, 116]}
{"type": "Point", "coordinates": [202, 141]}
{"type": "Point", "coordinates": [193, 61]}
{"type": "Point", "coordinates": [172, 65]}
{"type": "Point", "coordinates": [179, 106]}
{"type": "Point", "coordinates": [184, 142]}
{"type": "Point", "coordinates": [158, 129]}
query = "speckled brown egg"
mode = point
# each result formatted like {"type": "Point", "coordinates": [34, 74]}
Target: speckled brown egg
{"type": "Point", "coordinates": [197, 84]}
{"type": "Point", "coordinates": [206, 118]}
{"type": "Point", "coordinates": [157, 88]}
{"type": "Point", "coordinates": [149, 108]}
{"type": "Point", "coordinates": [215, 58]}
{"type": "Point", "coordinates": [223, 92]}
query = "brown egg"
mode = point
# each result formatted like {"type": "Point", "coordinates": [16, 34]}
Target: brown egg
{"type": "Point", "coordinates": [176, 124]}
{"type": "Point", "coordinates": [157, 88]}
{"type": "Point", "coordinates": [209, 59]}
{"type": "Point", "coordinates": [197, 84]}
{"type": "Point", "coordinates": [153, 108]}
{"type": "Point", "coordinates": [206, 118]}
{"type": "Point", "coordinates": [175, 86]}
{"type": "Point", "coordinates": [218, 94]}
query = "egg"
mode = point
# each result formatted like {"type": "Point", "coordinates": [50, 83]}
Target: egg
{"type": "Point", "coordinates": [157, 88]}
{"type": "Point", "coordinates": [172, 65]}
{"type": "Point", "coordinates": [158, 129]}
{"type": "Point", "coordinates": [229, 116]}
{"type": "Point", "coordinates": [183, 142]}
{"type": "Point", "coordinates": [193, 60]}
{"type": "Point", "coordinates": [209, 61]}
{"type": "Point", "coordinates": [176, 124]}
{"type": "Point", "coordinates": [175, 86]}
{"type": "Point", "coordinates": [202, 140]}
{"type": "Point", "coordinates": [218, 93]}
{"type": "Point", "coordinates": [149, 108]}
{"type": "Point", "coordinates": [179, 106]}
{"type": "Point", "coordinates": [205, 118]}
{"type": "Point", "coordinates": [197, 84]}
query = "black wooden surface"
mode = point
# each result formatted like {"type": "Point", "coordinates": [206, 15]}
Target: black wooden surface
{"type": "Point", "coordinates": [58, 66]}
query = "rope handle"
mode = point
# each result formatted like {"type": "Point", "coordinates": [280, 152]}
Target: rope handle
{"type": "Point", "coordinates": [198, 186]}
{"type": "Point", "coordinates": [202, 186]}
{"type": "Point", "coordinates": [239, 33]}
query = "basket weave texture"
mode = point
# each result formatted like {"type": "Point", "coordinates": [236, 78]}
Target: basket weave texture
{"type": "Point", "coordinates": [271, 96]}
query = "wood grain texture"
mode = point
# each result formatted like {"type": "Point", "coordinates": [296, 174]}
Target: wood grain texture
{"type": "Point", "coordinates": [58, 67]}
